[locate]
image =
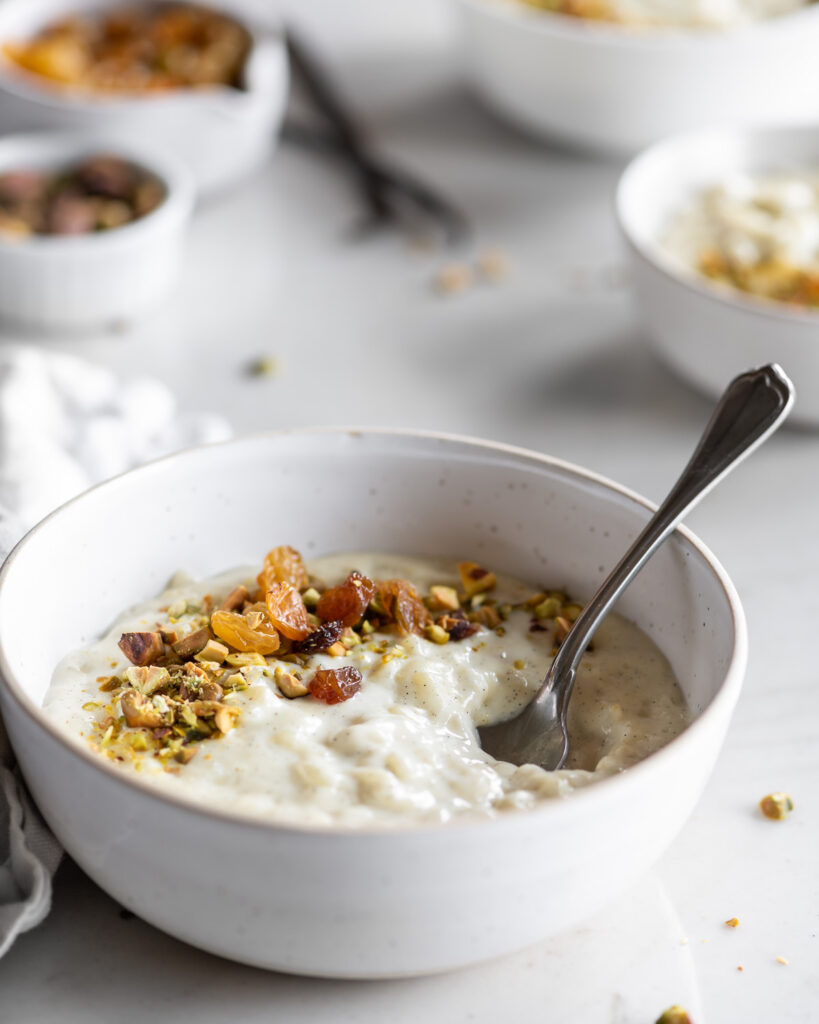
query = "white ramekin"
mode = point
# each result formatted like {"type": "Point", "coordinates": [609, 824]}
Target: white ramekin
{"type": "Point", "coordinates": [705, 331]}
{"type": "Point", "coordinates": [614, 89]}
{"type": "Point", "coordinates": [102, 279]}
{"type": "Point", "coordinates": [221, 133]}
{"type": "Point", "coordinates": [370, 902]}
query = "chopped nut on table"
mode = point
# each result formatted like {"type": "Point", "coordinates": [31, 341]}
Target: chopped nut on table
{"type": "Point", "coordinates": [674, 1015]}
{"type": "Point", "coordinates": [776, 806]}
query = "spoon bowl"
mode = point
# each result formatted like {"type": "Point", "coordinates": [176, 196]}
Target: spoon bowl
{"type": "Point", "coordinates": [752, 407]}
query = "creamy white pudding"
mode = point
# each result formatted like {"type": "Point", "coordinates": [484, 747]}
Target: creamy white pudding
{"type": "Point", "coordinates": [755, 233]}
{"type": "Point", "coordinates": [401, 748]}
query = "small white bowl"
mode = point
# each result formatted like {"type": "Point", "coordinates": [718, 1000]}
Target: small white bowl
{"type": "Point", "coordinates": [50, 282]}
{"type": "Point", "coordinates": [705, 331]}
{"type": "Point", "coordinates": [221, 133]}
{"type": "Point", "coordinates": [617, 89]}
{"type": "Point", "coordinates": [372, 902]}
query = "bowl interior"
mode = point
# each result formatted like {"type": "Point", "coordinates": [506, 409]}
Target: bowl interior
{"type": "Point", "coordinates": [664, 178]}
{"type": "Point", "coordinates": [220, 506]}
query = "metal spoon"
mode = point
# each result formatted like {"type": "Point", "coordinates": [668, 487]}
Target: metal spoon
{"type": "Point", "coordinates": [752, 407]}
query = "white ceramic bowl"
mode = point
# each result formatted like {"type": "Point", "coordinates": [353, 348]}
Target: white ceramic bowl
{"type": "Point", "coordinates": [221, 133]}
{"type": "Point", "coordinates": [705, 331]}
{"type": "Point", "coordinates": [615, 89]}
{"type": "Point", "coordinates": [374, 902]}
{"type": "Point", "coordinates": [50, 282]}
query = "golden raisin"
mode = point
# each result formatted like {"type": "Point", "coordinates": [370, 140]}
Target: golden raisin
{"type": "Point", "coordinates": [347, 602]}
{"type": "Point", "coordinates": [287, 611]}
{"type": "Point", "coordinates": [235, 630]}
{"type": "Point", "coordinates": [334, 685]}
{"type": "Point", "coordinates": [403, 605]}
{"type": "Point", "coordinates": [283, 565]}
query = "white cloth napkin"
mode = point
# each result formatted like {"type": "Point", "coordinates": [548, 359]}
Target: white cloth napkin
{"type": "Point", "coordinates": [65, 424]}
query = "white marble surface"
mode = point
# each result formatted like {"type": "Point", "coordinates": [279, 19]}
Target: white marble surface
{"type": "Point", "coordinates": [552, 359]}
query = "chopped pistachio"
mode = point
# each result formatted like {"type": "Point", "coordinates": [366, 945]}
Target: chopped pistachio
{"type": "Point", "coordinates": [571, 611]}
{"type": "Point", "coordinates": [193, 643]}
{"type": "Point", "coordinates": [311, 597]}
{"type": "Point", "coordinates": [535, 599]}
{"type": "Point", "coordinates": [367, 627]}
{"type": "Point", "coordinates": [437, 634]}
{"type": "Point", "coordinates": [235, 599]}
{"type": "Point", "coordinates": [245, 658]}
{"type": "Point", "coordinates": [337, 650]}
{"type": "Point", "coordinates": [452, 279]}
{"type": "Point", "coordinates": [519, 665]}
{"type": "Point", "coordinates": [549, 608]}
{"type": "Point", "coordinates": [254, 618]}
{"type": "Point", "coordinates": [185, 754]}
{"type": "Point", "coordinates": [140, 711]}
{"type": "Point", "coordinates": [443, 599]}
{"type": "Point", "coordinates": [178, 608]}
{"type": "Point", "coordinates": [776, 806]}
{"type": "Point", "coordinates": [225, 718]}
{"type": "Point", "coordinates": [562, 627]}
{"type": "Point", "coordinates": [235, 681]}
{"type": "Point", "coordinates": [475, 579]}
{"type": "Point", "coordinates": [147, 679]}
{"type": "Point", "coordinates": [142, 648]}
{"type": "Point", "coordinates": [674, 1015]}
{"type": "Point", "coordinates": [350, 638]}
{"type": "Point", "coordinates": [212, 651]}
{"type": "Point", "coordinates": [505, 610]}
{"type": "Point", "coordinates": [290, 684]}
{"type": "Point", "coordinates": [109, 683]}
{"type": "Point", "coordinates": [486, 616]}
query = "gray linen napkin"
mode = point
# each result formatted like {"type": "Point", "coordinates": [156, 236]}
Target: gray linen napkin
{"type": "Point", "coordinates": [65, 424]}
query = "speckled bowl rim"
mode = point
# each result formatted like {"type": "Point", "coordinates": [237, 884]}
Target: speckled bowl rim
{"type": "Point", "coordinates": [652, 253]}
{"type": "Point", "coordinates": [579, 802]}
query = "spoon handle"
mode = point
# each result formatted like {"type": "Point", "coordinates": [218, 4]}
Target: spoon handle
{"type": "Point", "coordinates": [752, 407]}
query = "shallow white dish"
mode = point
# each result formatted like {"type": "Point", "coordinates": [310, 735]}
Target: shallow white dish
{"type": "Point", "coordinates": [51, 282]}
{"type": "Point", "coordinates": [220, 133]}
{"type": "Point", "coordinates": [611, 88]}
{"type": "Point", "coordinates": [707, 332]}
{"type": "Point", "coordinates": [367, 903]}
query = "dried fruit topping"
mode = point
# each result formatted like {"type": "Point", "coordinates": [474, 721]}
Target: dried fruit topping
{"type": "Point", "coordinates": [475, 579]}
{"type": "Point", "coordinates": [457, 625]}
{"type": "Point", "coordinates": [334, 685]}
{"type": "Point", "coordinates": [235, 631]}
{"type": "Point", "coordinates": [142, 648]}
{"type": "Point", "coordinates": [347, 602]}
{"type": "Point", "coordinates": [402, 605]}
{"type": "Point", "coordinates": [776, 806]}
{"type": "Point", "coordinates": [283, 565]}
{"type": "Point", "coordinates": [320, 639]}
{"type": "Point", "coordinates": [287, 611]}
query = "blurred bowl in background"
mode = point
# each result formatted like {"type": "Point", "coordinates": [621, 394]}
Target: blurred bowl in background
{"type": "Point", "coordinates": [222, 133]}
{"type": "Point", "coordinates": [706, 331]}
{"type": "Point", "coordinates": [51, 282]}
{"type": "Point", "coordinates": [614, 88]}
